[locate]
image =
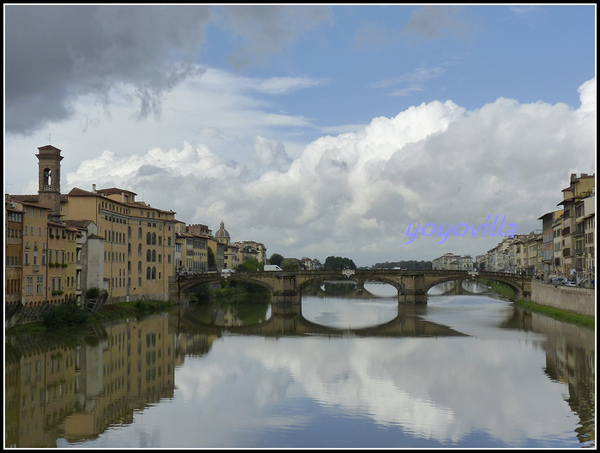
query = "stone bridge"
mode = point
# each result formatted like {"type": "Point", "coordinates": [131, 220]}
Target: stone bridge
{"type": "Point", "coordinates": [286, 286]}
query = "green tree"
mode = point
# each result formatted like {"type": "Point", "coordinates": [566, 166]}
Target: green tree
{"type": "Point", "coordinates": [276, 259]}
{"type": "Point", "coordinates": [212, 262]}
{"type": "Point", "coordinates": [290, 264]}
{"type": "Point", "coordinates": [338, 263]}
{"type": "Point", "coordinates": [250, 265]}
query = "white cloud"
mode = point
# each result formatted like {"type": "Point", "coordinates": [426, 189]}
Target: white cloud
{"type": "Point", "coordinates": [355, 194]}
{"type": "Point", "coordinates": [271, 154]}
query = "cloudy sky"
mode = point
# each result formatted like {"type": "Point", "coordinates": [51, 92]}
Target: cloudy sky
{"type": "Point", "coordinates": [317, 130]}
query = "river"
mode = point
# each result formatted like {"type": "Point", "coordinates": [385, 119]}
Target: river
{"type": "Point", "coordinates": [464, 371]}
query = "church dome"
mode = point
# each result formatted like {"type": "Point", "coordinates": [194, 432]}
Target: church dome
{"type": "Point", "coordinates": [222, 232]}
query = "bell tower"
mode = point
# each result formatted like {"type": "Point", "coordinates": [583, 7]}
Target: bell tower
{"type": "Point", "coordinates": [49, 179]}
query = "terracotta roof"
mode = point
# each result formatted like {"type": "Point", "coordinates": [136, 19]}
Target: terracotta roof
{"type": "Point", "coordinates": [77, 192]}
{"type": "Point", "coordinates": [114, 190]}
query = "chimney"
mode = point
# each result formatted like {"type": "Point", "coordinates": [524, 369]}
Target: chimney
{"type": "Point", "coordinates": [94, 188]}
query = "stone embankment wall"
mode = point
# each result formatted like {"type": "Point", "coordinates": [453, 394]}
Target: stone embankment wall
{"type": "Point", "coordinates": [568, 298]}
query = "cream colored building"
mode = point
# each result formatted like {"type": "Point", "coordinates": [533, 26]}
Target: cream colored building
{"type": "Point", "coordinates": [579, 188]}
{"type": "Point", "coordinates": [139, 241]}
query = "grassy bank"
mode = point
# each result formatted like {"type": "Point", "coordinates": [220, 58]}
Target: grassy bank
{"type": "Point", "coordinates": [558, 314]}
{"type": "Point", "coordinates": [503, 290]}
{"type": "Point", "coordinates": [554, 313]}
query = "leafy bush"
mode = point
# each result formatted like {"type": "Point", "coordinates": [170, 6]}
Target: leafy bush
{"type": "Point", "coordinates": [92, 293]}
{"type": "Point", "coordinates": [69, 314]}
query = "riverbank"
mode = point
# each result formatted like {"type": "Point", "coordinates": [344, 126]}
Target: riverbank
{"type": "Point", "coordinates": [552, 312]}
{"type": "Point", "coordinates": [73, 319]}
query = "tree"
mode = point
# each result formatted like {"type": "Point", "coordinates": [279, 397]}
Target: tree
{"type": "Point", "coordinates": [212, 262]}
{"type": "Point", "coordinates": [276, 259]}
{"type": "Point", "coordinates": [338, 263]}
{"type": "Point", "coordinates": [250, 265]}
{"type": "Point", "coordinates": [290, 264]}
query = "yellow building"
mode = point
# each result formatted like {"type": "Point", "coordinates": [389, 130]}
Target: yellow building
{"type": "Point", "coordinates": [34, 290]}
{"type": "Point", "coordinates": [579, 188]}
{"type": "Point", "coordinates": [139, 241]}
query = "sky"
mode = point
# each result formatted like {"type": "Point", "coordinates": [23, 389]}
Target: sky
{"type": "Point", "coordinates": [319, 130]}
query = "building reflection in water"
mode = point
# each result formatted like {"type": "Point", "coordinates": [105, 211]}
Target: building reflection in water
{"type": "Point", "coordinates": [76, 388]}
{"type": "Point", "coordinates": [54, 389]}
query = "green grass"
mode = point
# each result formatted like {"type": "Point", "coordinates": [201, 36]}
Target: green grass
{"type": "Point", "coordinates": [554, 313]}
{"type": "Point", "coordinates": [558, 314]}
{"type": "Point", "coordinates": [500, 288]}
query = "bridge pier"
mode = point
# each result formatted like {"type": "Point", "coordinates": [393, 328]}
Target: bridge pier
{"type": "Point", "coordinates": [412, 298]}
{"type": "Point", "coordinates": [360, 285]}
{"type": "Point", "coordinates": [286, 309]}
{"type": "Point", "coordinates": [286, 298]}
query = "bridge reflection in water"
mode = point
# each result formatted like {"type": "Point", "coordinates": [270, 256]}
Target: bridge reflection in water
{"type": "Point", "coordinates": [287, 320]}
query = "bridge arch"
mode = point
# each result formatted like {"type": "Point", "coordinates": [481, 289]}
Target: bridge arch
{"type": "Point", "coordinates": [185, 285]}
{"type": "Point", "coordinates": [400, 287]}
{"type": "Point", "coordinates": [458, 279]}
{"type": "Point", "coordinates": [511, 280]}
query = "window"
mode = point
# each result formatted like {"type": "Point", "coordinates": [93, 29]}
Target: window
{"type": "Point", "coordinates": [29, 287]}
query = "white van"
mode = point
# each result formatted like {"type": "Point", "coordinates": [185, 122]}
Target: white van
{"type": "Point", "coordinates": [272, 267]}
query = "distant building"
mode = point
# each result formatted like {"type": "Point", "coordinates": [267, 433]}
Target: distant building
{"type": "Point", "coordinates": [450, 261]}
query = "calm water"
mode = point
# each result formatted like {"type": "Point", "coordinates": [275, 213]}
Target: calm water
{"type": "Point", "coordinates": [463, 371]}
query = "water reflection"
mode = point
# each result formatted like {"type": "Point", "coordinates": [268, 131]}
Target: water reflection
{"type": "Point", "coordinates": [516, 380]}
{"type": "Point", "coordinates": [77, 387]}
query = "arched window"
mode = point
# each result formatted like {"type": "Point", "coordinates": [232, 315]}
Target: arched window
{"type": "Point", "coordinates": [148, 238]}
{"type": "Point", "coordinates": [153, 238]}
{"type": "Point", "coordinates": [129, 232]}
{"type": "Point", "coordinates": [139, 250]}
{"type": "Point", "coordinates": [139, 268]}
{"type": "Point", "coordinates": [47, 178]}
{"type": "Point", "coordinates": [154, 256]}
{"type": "Point", "coordinates": [140, 233]}
{"type": "Point", "coordinates": [148, 256]}
{"type": "Point", "coordinates": [153, 273]}
{"type": "Point", "coordinates": [148, 274]}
